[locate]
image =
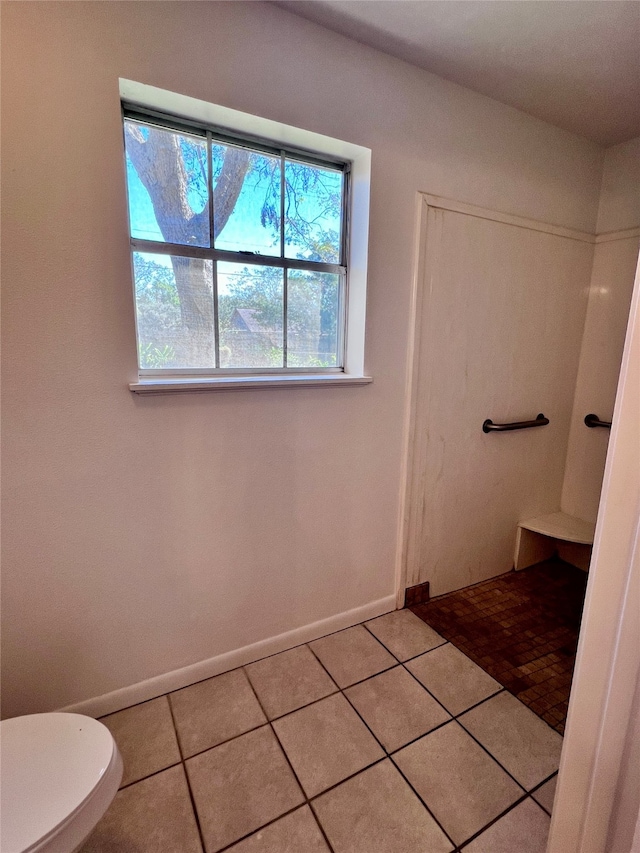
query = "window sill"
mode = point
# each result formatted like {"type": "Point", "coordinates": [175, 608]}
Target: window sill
{"type": "Point", "coordinates": [245, 383]}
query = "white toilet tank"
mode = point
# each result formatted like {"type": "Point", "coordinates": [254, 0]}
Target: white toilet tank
{"type": "Point", "coordinates": [58, 775]}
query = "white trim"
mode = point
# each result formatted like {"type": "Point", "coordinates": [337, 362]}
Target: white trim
{"type": "Point", "coordinates": [296, 137]}
{"type": "Point", "coordinates": [430, 220]}
{"type": "Point", "coordinates": [165, 683]}
{"type": "Point", "coordinates": [608, 660]}
{"type": "Point", "coordinates": [507, 218]}
{"type": "Point", "coordinates": [411, 493]}
{"type": "Point", "coordinates": [246, 383]}
{"type": "Point", "coordinates": [237, 121]}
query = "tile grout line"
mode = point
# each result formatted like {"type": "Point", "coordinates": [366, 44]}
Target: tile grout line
{"type": "Point", "coordinates": [371, 634]}
{"type": "Point", "coordinates": [403, 663]}
{"type": "Point", "coordinates": [266, 722]}
{"type": "Point", "coordinates": [495, 820]}
{"type": "Point", "coordinates": [387, 756]}
{"type": "Point", "coordinates": [235, 737]}
{"type": "Point", "coordinates": [544, 782]}
{"type": "Point", "coordinates": [446, 723]}
{"type": "Point", "coordinates": [223, 742]}
{"type": "Point", "coordinates": [299, 646]}
{"type": "Point", "coordinates": [342, 691]}
{"type": "Point", "coordinates": [422, 801]}
{"type": "Point", "coordinates": [473, 737]}
{"type": "Point", "coordinates": [320, 827]}
{"type": "Point", "coordinates": [538, 787]}
{"type": "Point", "coordinates": [260, 828]}
{"type": "Point", "coordinates": [433, 696]}
{"type": "Point", "coordinates": [504, 686]}
{"type": "Point", "coordinates": [346, 779]}
{"type": "Point", "coordinates": [286, 757]}
{"type": "Point", "coordinates": [186, 776]}
{"type": "Point", "coordinates": [452, 718]}
{"type": "Point", "coordinates": [307, 704]}
{"type": "Point", "coordinates": [426, 807]}
{"type": "Point", "coordinates": [150, 775]}
{"type": "Point", "coordinates": [412, 657]}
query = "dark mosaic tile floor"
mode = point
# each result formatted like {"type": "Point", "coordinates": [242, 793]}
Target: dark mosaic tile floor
{"type": "Point", "coordinates": [522, 628]}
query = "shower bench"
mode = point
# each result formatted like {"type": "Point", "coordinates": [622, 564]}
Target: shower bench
{"type": "Point", "coordinates": [542, 537]}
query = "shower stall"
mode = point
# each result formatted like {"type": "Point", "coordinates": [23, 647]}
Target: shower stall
{"type": "Point", "coordinates": [519, 335]}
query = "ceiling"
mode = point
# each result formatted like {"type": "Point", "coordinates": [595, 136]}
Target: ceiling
{"type": "Point", "coordinates": [573, 63]}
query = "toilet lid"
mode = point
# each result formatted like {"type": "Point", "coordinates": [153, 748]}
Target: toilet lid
{"type": "Point", "coordinates": [50, 764]}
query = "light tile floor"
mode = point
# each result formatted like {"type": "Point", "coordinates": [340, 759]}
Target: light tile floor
{"type": "Point", "coordinates": [382, 738]}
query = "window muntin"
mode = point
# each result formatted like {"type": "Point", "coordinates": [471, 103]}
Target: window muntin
{"type": "Point", "coordinates": [254, 282]}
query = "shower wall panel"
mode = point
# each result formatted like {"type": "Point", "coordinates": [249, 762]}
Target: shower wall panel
{"type": "Point", "coordinates": [614, 267]}
{"type": "Point", "coordinates": [502, 309]}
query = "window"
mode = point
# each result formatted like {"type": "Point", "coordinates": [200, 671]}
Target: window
{"type": "Point", "coordinates": [239, 250]}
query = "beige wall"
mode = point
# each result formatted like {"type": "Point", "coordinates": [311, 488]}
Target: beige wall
{"type": "Point", "coordinates": [144, 535]}
{"type": "Point", "coordinates": [614, 266]}
{"type": "Point", "coordinates": [619, 206]}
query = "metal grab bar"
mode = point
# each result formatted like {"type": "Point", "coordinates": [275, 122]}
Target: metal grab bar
{"type": "Point", "coordinates": [489, 426]}
{"type": "Point", "coordinates": [594, 421]}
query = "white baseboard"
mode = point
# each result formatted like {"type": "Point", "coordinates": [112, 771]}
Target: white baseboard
{"type": "Point", "coordinates": [108, 703]}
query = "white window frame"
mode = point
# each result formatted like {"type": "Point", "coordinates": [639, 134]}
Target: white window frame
{"type": "Point", "coordinates": [239, 123]}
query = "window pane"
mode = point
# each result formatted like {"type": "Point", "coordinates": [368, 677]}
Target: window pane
{"type": "Point", "coordinates": [246, 200]}
{"type": "Point", "coordinates": [251, 310]}
{"type": "Point", "coordinates": [168, 186]}
{"type": "Point", "coordinates": [313, 212]}
{"type": "Point", "coordinates": [312, 319]}
{"type": "Point", "coordinates": [174, 307]}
